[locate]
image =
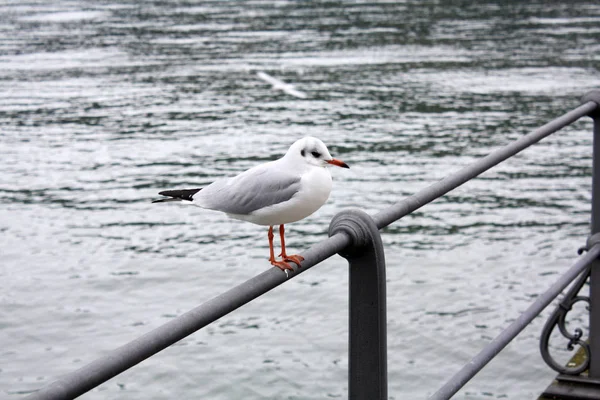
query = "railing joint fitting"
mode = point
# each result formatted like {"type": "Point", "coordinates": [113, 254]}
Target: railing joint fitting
{"type": "Point", "coordinates": [358, 225]}
{"type": "Point", "coordinates": [594, 96]}
{"type": "Point", "coordinates": [591, 242]}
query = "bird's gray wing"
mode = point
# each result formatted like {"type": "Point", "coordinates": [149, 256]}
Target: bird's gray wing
{"type": "Point", "coordinates": [257, 188]}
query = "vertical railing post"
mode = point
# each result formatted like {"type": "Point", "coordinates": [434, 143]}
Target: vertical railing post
{"type": "Point", "coordinates": [367, 361]}
{"type": "Point", "coordinates": [594, 335]}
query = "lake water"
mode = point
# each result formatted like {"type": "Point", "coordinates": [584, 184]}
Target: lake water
{"type": "Point", "coordinates": [105, 103]}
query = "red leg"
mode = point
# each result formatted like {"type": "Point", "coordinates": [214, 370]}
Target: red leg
{"type": "Point", "coordinates": [293, 258]}
{"type": "Point", "coordinates": [282, 265]}
{"type": "Point", "coordinates": [282, 239]}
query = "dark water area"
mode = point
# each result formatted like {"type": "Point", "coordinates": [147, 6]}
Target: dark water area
{"type": "Point", "coordinates": [103, 104]}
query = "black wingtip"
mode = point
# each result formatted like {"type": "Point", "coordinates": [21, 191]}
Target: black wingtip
{"type": "Point", "coordinates": [177, 195]}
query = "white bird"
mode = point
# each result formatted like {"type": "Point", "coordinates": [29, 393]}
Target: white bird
{"type": "Point", "coordinates": [275, 193]}
{"type": "Point", "coordinates": [280, 85]}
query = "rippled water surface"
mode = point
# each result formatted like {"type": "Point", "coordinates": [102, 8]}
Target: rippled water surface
{"type": "Point", "coordinates": [103, 104]}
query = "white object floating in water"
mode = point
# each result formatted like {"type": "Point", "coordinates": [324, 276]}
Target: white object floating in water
{"type": "Point", "coordinates": [280, 85]}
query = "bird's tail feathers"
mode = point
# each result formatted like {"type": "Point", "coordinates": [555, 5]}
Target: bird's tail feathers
{"type": "Point", "coordinates": [177, 195]}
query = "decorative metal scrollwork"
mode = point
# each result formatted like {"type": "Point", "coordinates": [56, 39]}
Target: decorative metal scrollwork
{"type": "Point", "coordinates": [558, 318]}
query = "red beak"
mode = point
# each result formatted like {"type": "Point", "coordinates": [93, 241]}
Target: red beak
{"type": "Point", "coordinates": [339, 163]}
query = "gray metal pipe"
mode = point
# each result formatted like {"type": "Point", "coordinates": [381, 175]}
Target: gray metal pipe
{"type": "Point", "coordinates": [455, 383]}
{"type": "Point", "coordinates": [438, 189]}
{"type": "Point", "coordinates": [594, 334]}
{"type": "Point", "coordinates": [88, 377]}
{"type": "Point", "coordinates": [367, 333]}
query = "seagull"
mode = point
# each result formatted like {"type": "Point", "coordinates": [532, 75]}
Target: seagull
{"type": "Point", "coordinates": [274, 193]}
{"type": "Point", "coordinates": [278, 84]}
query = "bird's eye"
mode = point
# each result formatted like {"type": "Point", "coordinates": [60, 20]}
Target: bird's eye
{"type": "Point", "coordinates": [316, 154]}
{"type": "Point", "coordinates": [302, 153]}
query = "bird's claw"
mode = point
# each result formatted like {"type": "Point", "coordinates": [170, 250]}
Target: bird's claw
{"type": "Point", "coordinates": [294, 258]}
{"type": "Point", "coordinates": [282, 265]}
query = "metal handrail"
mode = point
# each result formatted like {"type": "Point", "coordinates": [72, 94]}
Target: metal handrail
{"type": "Point", "coordinates": [452, 181]}
{"type": "Point", "coordinates": [348, 236]}
{"type": "Point", "coordinates": [495, 346]}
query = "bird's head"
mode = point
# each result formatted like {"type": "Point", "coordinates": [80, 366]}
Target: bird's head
{"type": "Point", "coordinates": [312, 151]}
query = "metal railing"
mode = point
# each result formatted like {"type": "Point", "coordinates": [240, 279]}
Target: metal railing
{"type": "Point", "coordinates": [355, 235]}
